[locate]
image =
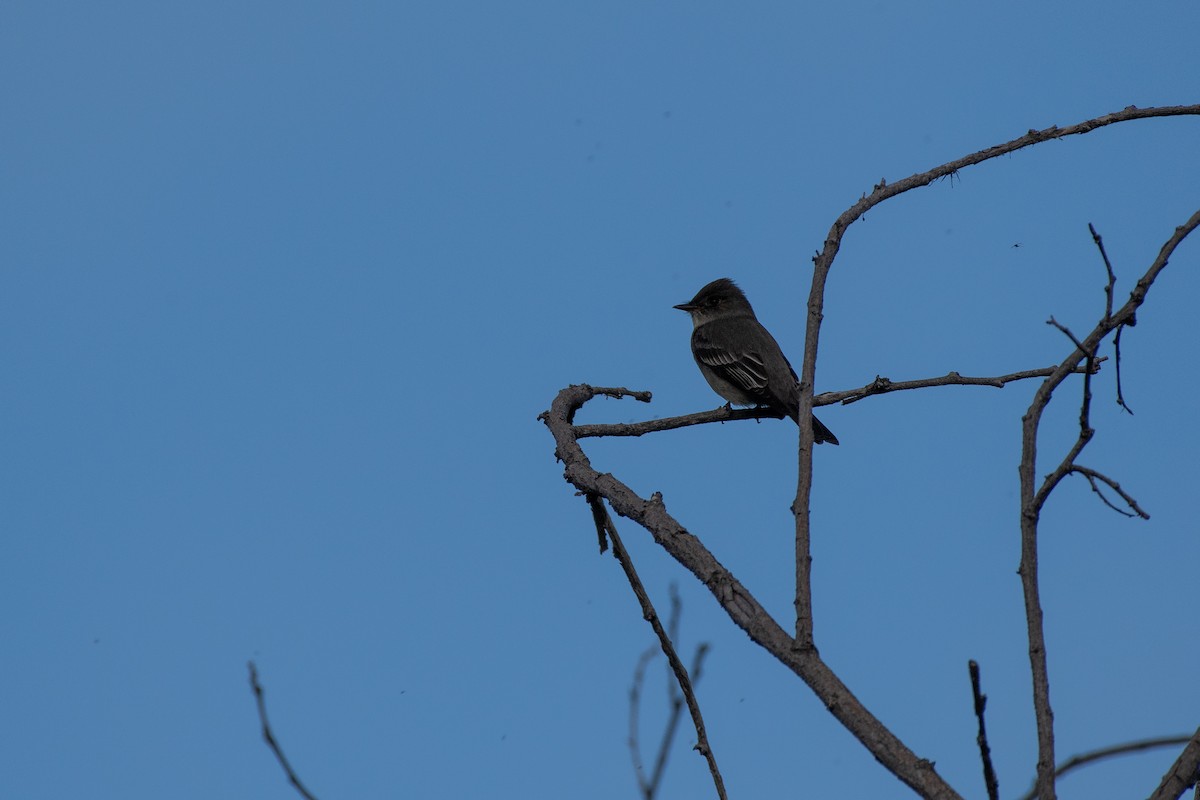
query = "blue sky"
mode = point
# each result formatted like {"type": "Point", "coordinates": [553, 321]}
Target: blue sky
{"type": "Point", "coordinates": [283, 288]}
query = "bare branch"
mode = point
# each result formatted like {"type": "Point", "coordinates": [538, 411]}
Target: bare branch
{"type": "Point", "coordinates": [1108, 305]}
{"type": "Point", "coordinates": [1032, 502]}
{"type": "Point", "coordinates": [1112, 276]}
{"type": "Point", "coordinates": [269, 737]}
{"type": "Point", "coordinates": [1183, 773]}
{"type": "Point", "coordinates": [1083, 759]}
{"type": "Point", "coordinates": [722, 414]}
{"type": "Point", "coordinates": [985, 752]}
{"type": "Point", "coordinates": [741, 606]}
{"type": "Point", "coordinates": [823, 263]}
{"type": "Point", "coordinates": [1117, 354]}
{"type": "Point", "coordinates": [876, 387]}
{"type": "Point", "coordinates": [1093, 476]}
{"type": "Point", "coordinates": [651, 616]}
{"type": "Point", "coordinates": [886, 385]}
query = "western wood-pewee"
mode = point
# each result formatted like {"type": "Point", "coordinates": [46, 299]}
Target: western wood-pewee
{"type": "Point", "coordinates": [740, 358]}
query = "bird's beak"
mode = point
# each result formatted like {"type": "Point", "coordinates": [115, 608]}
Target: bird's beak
{"type": "Point", "coordinates": [688, 307]}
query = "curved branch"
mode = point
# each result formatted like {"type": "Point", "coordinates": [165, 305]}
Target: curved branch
{"type": "Point", "coordinates": [1083, 759]}
{"type": "Point", "coordinates": [1093, 476]}
{"type": "Point", "coordinates": [1033, 501]}
{"type": "Point", "coordinates": [741, 606]}
{"type": "Point", "coordinates": [823, 262]}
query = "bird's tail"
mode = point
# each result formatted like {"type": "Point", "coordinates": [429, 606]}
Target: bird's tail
{"type": "Point", "coordinates": [821, 433]}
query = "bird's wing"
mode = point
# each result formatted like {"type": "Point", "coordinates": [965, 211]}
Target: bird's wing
{"type": "Point", "coordinates": [745, 370]}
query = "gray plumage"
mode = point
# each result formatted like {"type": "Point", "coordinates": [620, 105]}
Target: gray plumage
{"type": "Point", "coordinates": [740, 358]}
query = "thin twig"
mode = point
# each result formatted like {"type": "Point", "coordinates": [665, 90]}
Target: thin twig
{"type": "Point", "coordinates": [1117, 357]}
{"type": "Point", "coordinates": [1108, 306]}
{"type": "Point", "coordinates": [1083, 759]}
{"type": "Point", "coordinates": [269, 737]}
{"type": "Point", "coordinates": [651, 616]}
{"type": "Point", "coordinates": [1093, 476]}
{"type": "Point", "coordinates": [985, 752]}
{"type": "Point", "coordinates": [1112, 276]}
{"type": "Point", "coordinates": [886, 385]}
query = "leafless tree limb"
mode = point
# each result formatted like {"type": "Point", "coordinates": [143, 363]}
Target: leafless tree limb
{"type": "Point", "coordinates": [1083, 759]}
{"type": "Point", "coordinates": [1093, 476]}
{"type": "Point", "coordinates": [985, 752]}
{"type": "Point", "coordinates": [269, 737]}
{"type": "Point", "coordinates": [1033, 501]}
{"type": "Point", "coordinates": [876, 387]}
{"type": "Point", "coordinates": [651, 616]}
{"type": "Point", "coordinates": [1183, 773]}
{"type": "Point", "coordinates": [1108, 306]}
{"type": "Point", "coordinates": [886, 385]}
{"type": "Point", "coordinates": [737, 601]}
{"type": "Point", "coordinates": [823, 263]}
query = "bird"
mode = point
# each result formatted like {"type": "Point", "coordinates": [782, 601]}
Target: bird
{"type": "Point", "coordinates": [740, 358]}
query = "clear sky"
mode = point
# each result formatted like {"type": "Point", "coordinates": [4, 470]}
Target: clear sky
{"type": "Point", "coordinates": [284, 286]}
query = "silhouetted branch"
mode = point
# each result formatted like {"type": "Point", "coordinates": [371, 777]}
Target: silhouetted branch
{"type": "Point", "coordinates": [269, 737]}
{"type": "Point", "coordinates": [651, 616]}
{"type": "Point", "coordinates": [985, 752]}
{"type": "Point", "coordinates": [823, 263]}
{"type": "Point", "coordinates": [1083, 759]}
{"type": "Point", "coordinates": [886, 385]}
{"type": "Point", "coordinates": [876, 387]}
{"type": "Point", "coordinates": [1033, 501]}
{"type": "Point", "coordinates": [1093, 476]}
{"type": "Point", "coordinates": [1183, 773]}
{"type": "Point", "coordinates": [649, 786]}
{"type": "Point", "coordinates": [737, 601]}
{"type": "Point", "coordinates": [1108, 306]}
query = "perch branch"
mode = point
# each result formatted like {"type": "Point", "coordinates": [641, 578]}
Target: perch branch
{"type": "Point", "coordinates": [876, 387]}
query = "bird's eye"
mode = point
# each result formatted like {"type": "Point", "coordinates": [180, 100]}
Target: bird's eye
{"type": "Point", "coordinates": [713, 302]}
